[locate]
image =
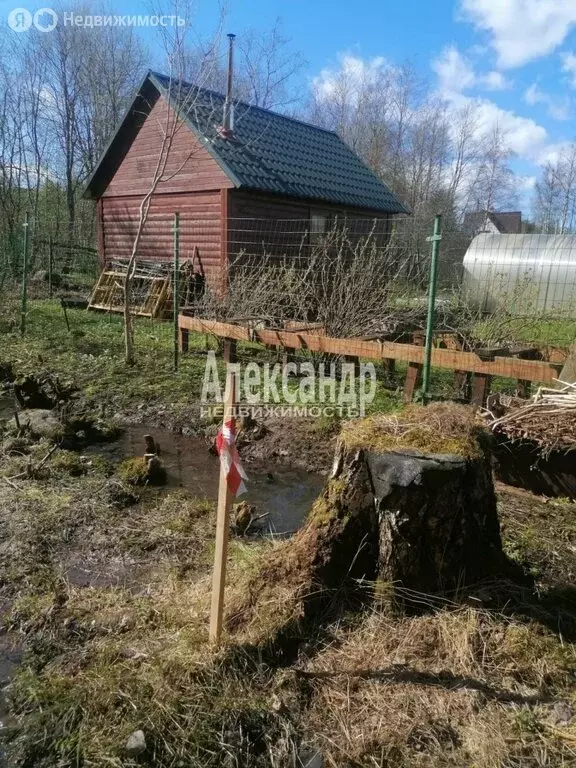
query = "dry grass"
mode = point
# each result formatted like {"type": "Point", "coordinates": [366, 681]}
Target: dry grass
{"type": "Point", "coordinates": [443, 428]}
{"type": "Point", "coordinates": [459, 687]}
{"type": "Point", "coordinates": [456, 686]}
{"type": "Point", "coordinates": [106, 662]}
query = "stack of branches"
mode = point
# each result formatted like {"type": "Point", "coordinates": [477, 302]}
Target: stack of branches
{"type": "Point", "coordinates": [548, 419]}
{"type": "Point", "coordinates": [351, 285]}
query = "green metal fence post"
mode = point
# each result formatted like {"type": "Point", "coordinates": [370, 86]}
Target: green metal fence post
{"type": "Point", "coordinates": [24, 277]}
{"type": "Point", "coordinates": [435, 240]}
{"type": "Point", "coordinates": [176, 285]}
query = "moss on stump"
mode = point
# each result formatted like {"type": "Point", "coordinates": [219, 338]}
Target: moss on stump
{"type": "Point", "coordinates": [423, 520]}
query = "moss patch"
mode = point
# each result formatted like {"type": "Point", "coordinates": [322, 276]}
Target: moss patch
{"type": "Point", "coordinates": [443, 428]}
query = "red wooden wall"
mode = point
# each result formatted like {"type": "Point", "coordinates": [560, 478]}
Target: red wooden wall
{"type": "Point", "coordinates": [215, 219]}
{"type": "Point", "coordinates": [192, 188]}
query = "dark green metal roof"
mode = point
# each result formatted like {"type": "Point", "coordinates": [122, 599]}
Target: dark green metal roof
{"type": "Point", "coordinates": [273, 153]}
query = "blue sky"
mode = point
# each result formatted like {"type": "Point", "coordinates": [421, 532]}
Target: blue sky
{"type": "Point", "coordinates": [516, 58]}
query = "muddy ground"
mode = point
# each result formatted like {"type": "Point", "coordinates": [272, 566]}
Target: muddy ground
{"type": "Point", "coordinates": [105, 596]}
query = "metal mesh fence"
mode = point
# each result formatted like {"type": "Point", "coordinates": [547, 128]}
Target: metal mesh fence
{"type": "Point", "coordinates": [57, 262]}
{"type": "Point", "coordinates": [498, 295]}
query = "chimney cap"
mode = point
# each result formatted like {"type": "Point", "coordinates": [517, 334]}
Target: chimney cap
{"type": "Point", "coordinates": [231, 35]}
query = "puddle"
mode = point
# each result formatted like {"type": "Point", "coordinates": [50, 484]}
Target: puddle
{"type": "Point", "coordinates": [286, 493]}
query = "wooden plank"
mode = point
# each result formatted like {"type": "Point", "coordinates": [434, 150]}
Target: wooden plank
{"type": "Point", "coordinates": [230, 351]}
{"type": "Point", "coordinates": [414, 372]}
{"type": "Point", "coordinates": [513, 368]}
{"type": "Point", "coordinates": [222, 524]}
{"type": "Point", "coordinates": [412, 381]}
{"type": "Point", "coordinates": [480, 388]}
{"type": "Point", "coordinates": [184, 339]}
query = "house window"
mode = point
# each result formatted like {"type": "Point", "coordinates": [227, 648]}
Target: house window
{"type": "Point", "coordinates": [318, 226]}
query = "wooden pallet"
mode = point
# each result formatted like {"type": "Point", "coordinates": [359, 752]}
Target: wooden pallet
{"type": "Point", "coordinates": [151, 291]}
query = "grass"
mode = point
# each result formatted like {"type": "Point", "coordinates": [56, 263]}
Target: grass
{"type": "Point", "coordinates": [530, 330]}
{"type": "Point", "coordinates": [455, 685]}
{"type": "Point", "coordinates": [458, 687]}
{"type": "Point", "coordinates": [108, 587]}
{"type": "Point", "coordinates": [437, 428]}
{"type": "Point", "coordinates": [90, 358]}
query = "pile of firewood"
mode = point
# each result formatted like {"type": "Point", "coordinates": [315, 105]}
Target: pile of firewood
{"type": "Point", "coordinates": [548, 419]}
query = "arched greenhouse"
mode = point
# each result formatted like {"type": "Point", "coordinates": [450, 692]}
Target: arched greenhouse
{"type": "Point", "coordinates": [522, 274]}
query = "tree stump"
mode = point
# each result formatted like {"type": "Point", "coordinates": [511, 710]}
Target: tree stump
{"type": "Point", "coordinates": [424, 520]}
{"type": "Point", "coordinates": [437, 518]}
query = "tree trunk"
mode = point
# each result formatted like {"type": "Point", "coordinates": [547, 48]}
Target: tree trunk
{"type": "Point", "coordinates": [438, 525]}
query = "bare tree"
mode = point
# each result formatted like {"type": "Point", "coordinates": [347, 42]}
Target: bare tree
{"type": "Point", "coordinates": [180, 99]}
{"type": "Point", "coordinates": [493, 186]}
{"type": "Point", "coordinates": [265, 72]}
{"type": "Point", "coordinates": [555, 194]}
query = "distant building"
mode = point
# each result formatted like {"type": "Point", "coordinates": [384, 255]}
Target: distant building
{"type": "Point", "coordinates": [493, 223]}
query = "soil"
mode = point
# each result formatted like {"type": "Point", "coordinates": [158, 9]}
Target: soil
{"type": "Point", "coordinates": [298, 442]}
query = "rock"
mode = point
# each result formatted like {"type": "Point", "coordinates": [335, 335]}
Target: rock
{"type": "Point", "coordinates": [136, 744]}
{"type": "Point", "coordinates": [39, 422]}
{"type": "Point", "coordinates": [157, 474]}
{"type": "Point", "coordinates": [40, 392]}
{"type": "Point", "coordinates": [562, 713]}
{"type": "Point", "coordinates": [276, 703]}
{"type": "Point", "coordinates": [243, 514]}
{"type": "Point", "coordinates": [310, 758]}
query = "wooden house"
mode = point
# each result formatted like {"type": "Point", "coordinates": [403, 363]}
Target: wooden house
{"type": "Point", "coordinates": [241, 178]}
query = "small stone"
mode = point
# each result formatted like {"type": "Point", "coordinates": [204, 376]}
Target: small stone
{"type": "Point", "coordinates": [562, 713]}
{"type": "Point", "coordinates": [242, 514]}
{"type": "Point", "coordinates": [136, 744]}
{"type": "Point", "coordinates": [310, 758]}
{"type": "Point", "coordinates": [277, 705]}
{"type": "Point", "coordinates": [39, 422]}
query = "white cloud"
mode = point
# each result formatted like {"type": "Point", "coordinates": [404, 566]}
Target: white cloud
{"type": "Point", "coordinates": [494, 81]}
{"type": "Point", "coordinates": [528, 139]}
{"type": "Point", "coordinates": [525, 137]}
{"type": "Point", "coordinates": [552, 152]}
{"type": "Point", "coordinates": [569, 66]}
{"type": "Point", "coordinates": [560, 108]}
{"type": "Point", "coordinates": [522, 30]}
{"type": "Point", "coordinates": [352, 74]}
{"type": "Point", "coordinates": [456, 73]}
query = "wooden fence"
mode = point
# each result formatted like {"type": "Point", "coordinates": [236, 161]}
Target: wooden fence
{"type": "Point", "coordinates": [482, 367]}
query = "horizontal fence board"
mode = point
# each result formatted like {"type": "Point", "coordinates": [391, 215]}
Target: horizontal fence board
{"type": "Point", "coordinates": [508, 367]}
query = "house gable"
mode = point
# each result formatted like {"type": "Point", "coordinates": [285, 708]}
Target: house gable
{"type": "Point", "coordinates": [189, 168]}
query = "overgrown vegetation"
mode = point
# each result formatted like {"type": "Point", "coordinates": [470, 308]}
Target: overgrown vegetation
{"type": "Point", "coordinates": [106, 587]}
{"type": "Point", "coordinates": [437, 428]}
{"type": "Point", "coordinates": [112, 602]}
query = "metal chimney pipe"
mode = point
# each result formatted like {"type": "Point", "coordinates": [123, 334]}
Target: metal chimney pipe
{"type": "Point", "coordinates": [228, 125]}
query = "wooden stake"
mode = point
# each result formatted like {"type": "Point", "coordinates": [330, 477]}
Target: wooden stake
{"type": "Point", "coordinates": [222, 525]}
